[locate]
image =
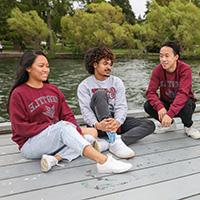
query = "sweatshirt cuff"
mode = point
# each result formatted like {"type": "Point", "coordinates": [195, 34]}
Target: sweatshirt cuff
{"type": "Point", "coordinates": [121, 121]}
{"type": "Point", "coordinates": [170, 114]}
{"type": "Point", "coordinates": [160, 106]}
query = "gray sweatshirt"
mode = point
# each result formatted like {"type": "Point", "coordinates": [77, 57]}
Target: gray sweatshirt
{"type": "Point", "coordinates": [116, 93]}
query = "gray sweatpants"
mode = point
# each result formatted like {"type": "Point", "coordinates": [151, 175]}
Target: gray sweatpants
{"type": "Point", "coordinates": [61, 138]}
{"type": "Point", "coordinates": [131, 130]}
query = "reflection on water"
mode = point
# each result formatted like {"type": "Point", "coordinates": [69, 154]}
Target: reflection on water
{"type": "Point", "coordinates": [67, 74]}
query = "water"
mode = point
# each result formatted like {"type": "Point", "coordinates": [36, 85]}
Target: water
{"type": "Point", "coordinates": [67, 74]}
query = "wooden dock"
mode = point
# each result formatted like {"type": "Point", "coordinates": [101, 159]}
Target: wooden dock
{"type": "Point", "coordinates": [166, 167]}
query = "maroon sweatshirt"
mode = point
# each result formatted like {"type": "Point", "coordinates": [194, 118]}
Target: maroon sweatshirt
{"type": "Point", "coordinates": [175, 88]}
{"type": "Point", "coordinates": [32, 110]}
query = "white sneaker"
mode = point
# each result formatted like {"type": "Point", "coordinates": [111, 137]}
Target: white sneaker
{"type": "Point", "coordinates": [101, 145]}
{"type": "Point", "coordinates": [192, 132]}
{"type": "Point", "coordinates": [120, 149]}
{"type": "Point", "coordinates": [113, 166]}
{"type": "Point", "coordinates": [47, 162]}
{"type": "Point", "coordinates": [160, 129]}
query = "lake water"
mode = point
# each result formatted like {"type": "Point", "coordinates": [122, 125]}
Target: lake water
{"type": "Point", "coordinates": [67, 74]}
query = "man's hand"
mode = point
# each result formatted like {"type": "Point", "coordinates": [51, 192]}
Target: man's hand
{"type": "Point", "coordinates": [161, 114]}
{"type": "Point", "coordinates": [114, 125]}
{"type": "Point", "coordinates": [166, 121]}
{"type": "Point", "coordinates": [103, 125]}
{"type": "Point", "coordinates": [107, 125]}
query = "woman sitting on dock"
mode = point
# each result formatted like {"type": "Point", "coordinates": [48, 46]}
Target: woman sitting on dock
{"type": "Point", "coordinates": [43, 125]}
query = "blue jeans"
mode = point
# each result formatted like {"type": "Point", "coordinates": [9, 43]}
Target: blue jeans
{"type": "Point", "coordinates": [61, 138]}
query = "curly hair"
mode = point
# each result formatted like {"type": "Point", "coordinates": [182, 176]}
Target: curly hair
{"type": "Point", "coordinates": [94, 55]}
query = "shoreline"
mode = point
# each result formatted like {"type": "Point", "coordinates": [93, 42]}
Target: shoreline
{"type": "Point", "coordinates": [62, 55]}
{"type": "Point", "coordinates": [67, 55]}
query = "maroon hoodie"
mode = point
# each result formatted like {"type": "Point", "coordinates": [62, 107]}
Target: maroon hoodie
{"type": "Point", "coordinates": [175, 88]}
{"type": "Point", "coordinates": [32, 110]}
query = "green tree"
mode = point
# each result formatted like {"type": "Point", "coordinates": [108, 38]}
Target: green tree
{"type": "Point", "coordinates": [196, 2]}
{"type": "Point", "coordinates": [50, 11]}
{"type": "Point", "coordinates": [166, 2]}
{"type": "Point", "coordinates": [28, 26]}
{"type": "Point", "coordinates": [163, 2]}
{"type": "Point", "coordinates": [5, 10]}
{"type": "Point", "coordinates": [91, 28]}
{"type": "Point", "coordinates": [177, 21]}
{"type": "Point", "coordinates": [126, 9]}
{"type": "Point", "coordinates": [148, 3]}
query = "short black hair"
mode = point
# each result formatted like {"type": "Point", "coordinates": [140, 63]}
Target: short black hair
{"type": "Point", "coordinates": [94, 55]}
{"type": "Point", "coordinates": [174, 45]}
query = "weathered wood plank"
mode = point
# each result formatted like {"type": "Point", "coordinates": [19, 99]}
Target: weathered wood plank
{"type": "Point", "coordinates": [30, 167]}
{"type": "Point", "coordinates": [76, 174]}
{"type": "Point", "coordinates": [162, 140]}
{"type": "Point", "coordinates": [90, 185]}
{"type": "Point", "coordinates": [170, 139]}
{"type": "Point", "coordinates": [178, 188]}
{"type": "Point", "coordinates": [10, 149]}
{"type": "Point", "coordinates": [192, 197]}
{"type": "Point", "coordinates": [170, 160]}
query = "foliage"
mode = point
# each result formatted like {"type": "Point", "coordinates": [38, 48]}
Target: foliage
{"type": "Point", "coordinates": [166, 2]}
{"type": "Point", "coordinates": [126, 9]}
{"type": "Point", "coordinates": [102, 24]}
{"type": "Point", "coordinates": [163, 2]}
{"type": "Point", "coordinates": [5, 9]}
{"type": "Point", "coordinates": [178, 21]}
{"type": "Point", "coordinates": [28, 26]}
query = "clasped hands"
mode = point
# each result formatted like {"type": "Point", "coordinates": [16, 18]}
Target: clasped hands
{"type": "Point", "coordinates": [164, 119]}
{"type": "Point", "coordinates": [108, 125]}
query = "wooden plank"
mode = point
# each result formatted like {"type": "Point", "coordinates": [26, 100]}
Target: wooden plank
{"type": "Point", "coordinates": [12, 159]}
{"type": "Point", "coordinates": [6, 141]}
{"type": "Point", "coordinates": [171, 137]}
{"type": "Point", "coordinates": [192, 197]}
{"type": "Point", "coordinates": [178, 188]}
{"type": "Point", "coordinates": [43, 186]}
{"type": "Point", "coordinates": [159, 158]}
{"type": "Point", "coordinates": [167, 140]}
{"type": "Point", "coordinates": [10, 149]}
{"type": "Point", "coordinates": [86, 172]}
{"type": "Point", "coordinates": [30, 167]}
{"type": "Point", "coordinates": [140, 145]}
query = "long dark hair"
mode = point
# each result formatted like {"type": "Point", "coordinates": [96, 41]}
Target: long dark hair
{"type": "Point", "coordinates": [22, 75]}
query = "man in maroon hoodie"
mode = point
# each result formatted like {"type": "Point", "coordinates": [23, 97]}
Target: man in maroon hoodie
{"type": "Point", "coordinates": [173, 78]}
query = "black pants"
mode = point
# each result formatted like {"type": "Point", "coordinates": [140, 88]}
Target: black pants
{"type": "Point", "coordinates": [185, 113]}
{"type": "Point", "coordinates": [131, 130]}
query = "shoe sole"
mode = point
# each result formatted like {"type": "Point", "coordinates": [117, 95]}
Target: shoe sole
{"type": "Point", "coordinates": [193, 137]}
{"type": "Point", "coordinates": [44, 165]}
{"type": "Point", "coordinates": [114, 171]}
{"type": "Point", "coordinates": [124, 157]}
